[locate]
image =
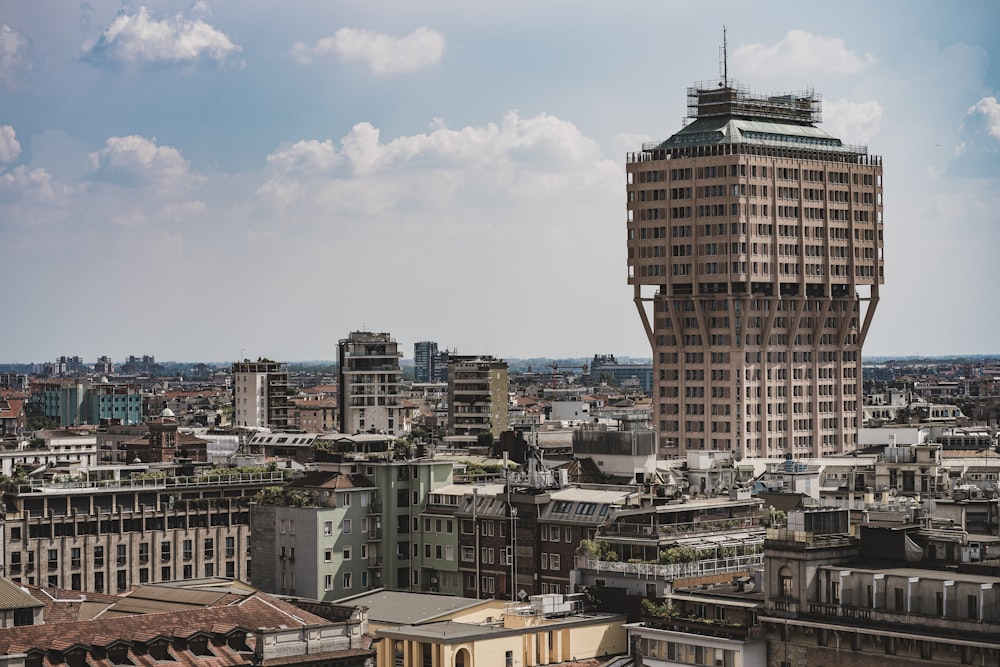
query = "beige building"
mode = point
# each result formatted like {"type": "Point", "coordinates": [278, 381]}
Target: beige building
{"type": "Point", "coordinates": [260, 394]}
{"type": "Point", "coordinates": [755, 252]}
{"type": "Point", "coordinates": [368, 398]}
{"type": "Point", "coordinates": [477, 396]}
{"type": "Point", "coordinates": [546, 629]}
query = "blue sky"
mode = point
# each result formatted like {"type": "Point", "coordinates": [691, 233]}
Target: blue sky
{"type": "Point", "coordinates": [195, 179]}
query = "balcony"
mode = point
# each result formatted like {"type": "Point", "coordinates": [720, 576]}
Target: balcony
{"type": "Point", "coordinates": [704, 626]}
{"type": "Point", "coordinates": [669, 572]}
{"type": "Point", "coordinates": [867, 616]}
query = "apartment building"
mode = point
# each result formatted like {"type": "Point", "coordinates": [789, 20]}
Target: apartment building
{"type": "Point", "coordinates": [901, 595]}
{"type": "Point", "coordinates": [755, 253]}
{"type": "Point", "coordinates": [646, 551]}
{"type": "Point", "coordinates": [368, 394]}
{"type": "Point", "coordinates": [260, 395]}
{"type": "Point", "coordinates": [478, 400]}
{"type": "Point", "coordinates": [352, 526]}
{"type": "Point", "coordinates": [74, 402]}
{"type": "Point", "coordinates": [101, 532]}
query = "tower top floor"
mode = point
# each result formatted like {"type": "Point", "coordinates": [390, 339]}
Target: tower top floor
{"type": "Point", "coordinates": [730, 119]}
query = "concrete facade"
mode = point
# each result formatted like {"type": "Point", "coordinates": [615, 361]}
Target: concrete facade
{"type": "Point", "coordinates": [368, 392]}
{"type": "Point", "coordinates": [478, 400]}
{"type": "Point", "coordinates": [755, 252]}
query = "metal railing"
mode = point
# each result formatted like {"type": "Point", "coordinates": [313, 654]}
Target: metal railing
{"type": "Point", "coordinates": [696, 568]}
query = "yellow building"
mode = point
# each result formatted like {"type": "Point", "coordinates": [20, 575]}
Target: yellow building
{"type": "Point", "coordinates": [545, 630]}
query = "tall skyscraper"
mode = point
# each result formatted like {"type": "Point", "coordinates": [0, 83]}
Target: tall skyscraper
{"type": "Point", "coordinates": [424, 354]}
{"type": "Point", "coordinates": [755, 252]}
{"type": "Point", "coordinates": [368, 388]}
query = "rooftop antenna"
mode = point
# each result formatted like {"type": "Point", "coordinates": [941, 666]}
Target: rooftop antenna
{"type": "Point", "coordinates": [724, 60]}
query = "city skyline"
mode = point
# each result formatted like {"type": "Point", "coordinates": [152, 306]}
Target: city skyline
{"type": "Point", "coordinates": [217, 180]}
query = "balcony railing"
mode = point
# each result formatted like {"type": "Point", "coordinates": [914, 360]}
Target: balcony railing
{"type": "Point", "coordinates": [671, 571]}
{"type": "Point", "coordinates": [704, 626]}
{"type": "Point", "coordinates": [680, 529]}
{"type": "Point", "coordinates": [214, 479]}
{"type": "Point", "coordinates": [884, 616]}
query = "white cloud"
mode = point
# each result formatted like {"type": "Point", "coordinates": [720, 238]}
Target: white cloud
{"type": "Point", "coordinates": [140, 158]}
{"type": "Point", "coordinates": [140, 39]}
{"type": "Point", "coordinates": [10, 148]}
{"type": "Point", "coordinates": [385, 54]}
{"type": "Point", "coordinates": [852, 122]}
{"type": "Point", "coordinates": [537, 159]}
{"type": "Point", "coordinates": [13, 55]}
{"type": "Point", "coordinates": [540, 140]}
{"type": "Point", "coordinates": [988, 109]}
{"type": "Point", "coordinates": [37, 182]}
{"type": "Point", "coordinates": [305, 155]}
{"type": "Point", "coordinates": [800, 53]}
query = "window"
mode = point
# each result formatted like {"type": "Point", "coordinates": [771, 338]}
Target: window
{"type": "Point", "coordinates": [328, 528]}
{"type": "Point", "coordinates": [188, 549]}
{"type": "Point", "coordinates": [553, 561]}
{"type": "Point", "coordinates": [468, 554]}
{"type": "Point", "coordinates": [53, 559]}
{"type": "Point", "coordinates": [328, 555]}
{"type": "Point", "coordinates": [120, 553]}
{"type": "Point", "coordinates": [449, 552]}
{"type": "Point", "coordinates": [98, 556]}
{"type": "Point", "coordinates": [347, 553]}
{"type": "Point", "coordinates": [209, 548]}
{"type": "Point", "coordinates": [787, 582]}
{"type": "Point", "coordinates": [346, 526]}
{"type": "Point", "coordinates": [347, 580]}
{"type": "Point", "coordinates": [230, 547]}
{"type": "Point", "coordinates": [328, 582]}
{"type": "Point", "coordinates": [74, 557]}
{"type": "Point", "coordinates": [165, 552]}
{"type": "Point", "coordinates": [144, 552]}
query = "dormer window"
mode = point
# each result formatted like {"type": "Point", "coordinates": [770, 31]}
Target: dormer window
{"type": "Point", "coordinates": [118, 655]}
{"type": "Point", "coordinates": [160, 650]}
{"type": "Point", "coordinates": [199, 647]}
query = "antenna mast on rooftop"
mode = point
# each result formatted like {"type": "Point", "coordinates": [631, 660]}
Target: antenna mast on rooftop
{"type": "Point", "coordinates": [724, 60]}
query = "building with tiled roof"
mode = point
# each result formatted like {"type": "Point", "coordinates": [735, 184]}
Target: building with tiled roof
{"type": "Point", "coordinates": [544, 630]}
{"type": "Point", "coordinates": [256, 630]}
{"type": "Point", "coordinates": [12, 417]}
